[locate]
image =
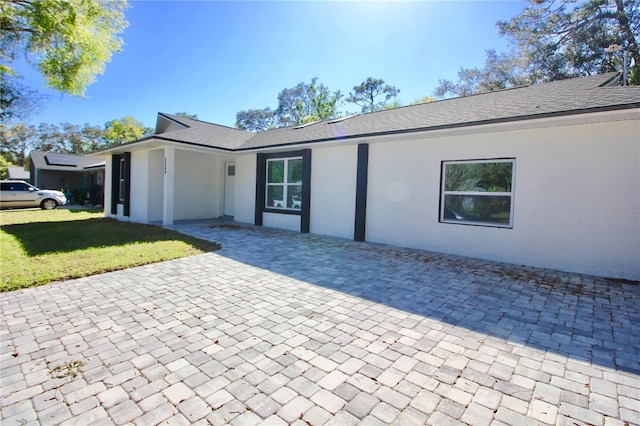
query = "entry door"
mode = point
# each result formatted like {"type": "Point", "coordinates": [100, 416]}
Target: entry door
{"type": "Point", "coordinates": [229, 188]}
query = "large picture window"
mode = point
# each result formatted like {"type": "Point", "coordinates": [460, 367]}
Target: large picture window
{"type": "Point", "coordinates": [478, 192]}
{"type": "Point", "coordinates": [284, 183]}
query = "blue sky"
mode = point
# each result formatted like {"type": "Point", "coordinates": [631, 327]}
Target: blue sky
{"type": "Point", "coordinates": [214, 58]}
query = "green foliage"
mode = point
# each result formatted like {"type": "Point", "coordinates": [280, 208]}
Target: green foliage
{"type": "Point", "coordinates": [306, 103]}
{"type": "Point", "coordinates": [4, 166]}
{"type": "Point", "coordinates": [17, 101]}
{"type": "Point", "coordinates": [500, 71]}
{"type": "Point", "coordinates": [423, 100]}
{"type": "Point", "coordinates": [19, 139]}
{"type": "Point", "coordinates": [372, 94]}
{"type": "Point", "coordinates": [68, 41]}
{"type": "Point", "coordinates": [479, 177]}
{"type": "Point", "coordinates": [124, 130]}
{"type": "Point", "coordinates": [397, 103]}
{"type": "Point", "coordinates": [184, 114]}
{"type": "Point", "coordinates": [256, 120]}
{"type": "Point", "coordinates": [554, 40]}
{"type": "Point", "coordinates": [564, 38]}
{"type": "Point", "coordinates": [16, 141]}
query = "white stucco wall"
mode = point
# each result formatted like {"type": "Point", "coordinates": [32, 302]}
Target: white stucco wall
{"type": "Point", "coordinates": [245, 190]}
{"type": "Point", "coordinates": [108, 171]}
{"type": "Point", "coordinates": [198, 185]}
{"type": "Point", "coordinates": [138, 208]}
{"type": "Point", "coordinates": [333, 190]}
{"type": "Point", "coordinates": [156, 185]}
{"type": "Point", "coordinates": [577, 197]}
{"type": "Point", "coordinates": [282, 221]}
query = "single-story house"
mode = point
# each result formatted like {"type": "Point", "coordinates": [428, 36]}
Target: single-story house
{"type": "Point", "coordinates": [18, 173]}
{"type": "Point", "coordinates": [71, 173]}
{"type": "Point", "coordinates": [545, 175]}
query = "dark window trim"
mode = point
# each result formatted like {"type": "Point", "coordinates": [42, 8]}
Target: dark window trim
{"type": "Point", "coordinates": [116, 197]}
{"type": "Point", "coordinates": [261, 185]}
{"type": "Point", "coordinates": [359, 232]}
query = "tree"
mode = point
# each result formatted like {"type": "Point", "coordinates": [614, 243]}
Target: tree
{"type": "Point", "coordinates": [500, 71]}
{"type": "Point", "coordinates": [306, 103]}
{"type": "Point", "coordinates": [124, 130]}
{"type": "Point", "coordinates": [256, 120]}
{"type": "Point", "coordinates": [423, 100]}
{"type": "Point", "coordinates": [68, 41]}
{"type": "Point", "coordinates": [17, 102]}
{"type": "Point", "coordinates": [564, 38]}
{"type": "Point", "coordinates": [368, 94]}
{"type": "Point", "coordinates": [184, 114]}
{"type": "Point", "coordinates": [93, 138]}
{"type": "Point", "coordinates": [4, 167]}
{"type": "Point", "coordinates": [17, 141]}
{"type": "Point", "coordinates": [49, 138]}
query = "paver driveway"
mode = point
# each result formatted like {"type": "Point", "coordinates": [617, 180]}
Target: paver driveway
{"type": "Point", "coordinates": [285, 328]}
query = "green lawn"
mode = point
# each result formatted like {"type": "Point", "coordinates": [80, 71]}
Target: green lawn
{"type": "Point", "coordinates": [38, 247]}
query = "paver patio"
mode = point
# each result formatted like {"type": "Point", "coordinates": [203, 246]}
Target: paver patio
{"type": "Point", "coordinates": [285, 328]}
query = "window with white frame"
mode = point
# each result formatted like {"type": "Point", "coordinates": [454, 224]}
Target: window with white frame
{"type": "Point", "coordinates": [284, 183]}
{"type": "Point", "coordinates": [478, 192]}
{"type": "Point", "coordinates": [121, 180]}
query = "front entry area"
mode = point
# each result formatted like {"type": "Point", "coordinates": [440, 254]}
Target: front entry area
{"type": "Point", "coordinates": [229, 188]}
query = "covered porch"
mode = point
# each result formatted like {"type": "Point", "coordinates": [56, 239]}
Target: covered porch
{"type": "Point", "coordinates": [160, 182]}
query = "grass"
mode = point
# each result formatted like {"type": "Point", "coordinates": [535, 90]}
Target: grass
{"type": "Point", "coordinates": [38, 247]}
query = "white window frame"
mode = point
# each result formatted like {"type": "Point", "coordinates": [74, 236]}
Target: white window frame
{"type": "Point", "coordinates": [510, 194]}
{"type": "Point", "coordinates": [121, 181]}
{"type": "Point", "coordinates": [284, 184]}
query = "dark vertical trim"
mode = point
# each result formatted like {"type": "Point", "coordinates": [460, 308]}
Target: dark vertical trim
{"type": "Point", "coordinates": [261, 183]}
{"type": "Point", "coordinates": [361, 192]}
{"type": "Point", "coordinates": [115, 177]}
{"type": "Point", "coordinates": [127, 184]}
{"type": "Point", "coordinates": [305, 218]}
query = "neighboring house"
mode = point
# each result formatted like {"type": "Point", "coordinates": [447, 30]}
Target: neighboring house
{"type": "Point", "coordinates": [544, 175]}
{"type": "Point", "coordinates": [70, 173]}
{"type": "Point", "coordinates": [18, 173]}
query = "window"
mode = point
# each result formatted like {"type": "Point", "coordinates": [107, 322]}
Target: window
{"type": "Point", "coordinates": [478, 192]}
{"type": "Point", "coordinates": [284, 183]}
{"type": "Point", "coordinates": [121, 181]}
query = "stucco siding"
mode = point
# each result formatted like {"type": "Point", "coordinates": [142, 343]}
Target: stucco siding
{"type": "Point", "coordinates": [198, 186]}
{"type": "Point", "coordinates": [333, 191]}
{"type": "Point", "coordinates": [282, 221]}
{"type": "Point", "coordinates": [245, 188]}
{"type": "Point", "coordinates": [577, 196]}
{"type": "Point", "coordinates": [156, 185]}
{"type": "Point", "coordinates": [139, 186]}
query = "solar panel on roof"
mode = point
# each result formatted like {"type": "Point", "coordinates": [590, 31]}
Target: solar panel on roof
{"type": "Point", "coordinates": [61, 160]}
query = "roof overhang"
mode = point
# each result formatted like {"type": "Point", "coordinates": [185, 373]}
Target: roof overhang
{"type": "Point", "coordinates": [566, 118]}
{"type": "Point", "coordinates": [157, 142]}
{"type": "Point", "coordinates": [526, 123]}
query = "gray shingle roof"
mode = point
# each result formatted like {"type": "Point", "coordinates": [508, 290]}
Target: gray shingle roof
{"type": "Point", "coordinates": [205, 134]}
{"type": "Point", "coordinates": [63, 162]}
{"type": "Point", "coordinates": [560, 97]}
{"type": "Point", "coordinates": [578, 95]}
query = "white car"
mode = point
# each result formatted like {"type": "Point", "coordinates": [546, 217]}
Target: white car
{"type": "Point", "coordinates": [18, 193]}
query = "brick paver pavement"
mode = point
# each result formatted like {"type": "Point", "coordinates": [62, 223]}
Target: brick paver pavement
{"type": "Point", "coordinates": [284, 328]}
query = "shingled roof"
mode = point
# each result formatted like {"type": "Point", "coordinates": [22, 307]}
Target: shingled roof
{"type": "Point", "coordinates": [560, 98]}
{"type": "Point", "coordinates": [578, 95]}
{"type": "Point", "coordinates": [204, 134]}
